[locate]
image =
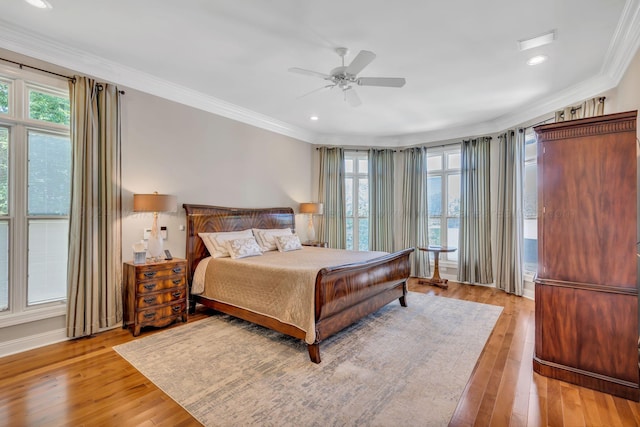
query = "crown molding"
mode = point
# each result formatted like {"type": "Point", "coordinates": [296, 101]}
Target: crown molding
{"type": "Point", "coordinates": [20, 41]}
{"type": "Point", "coordinates": [624, 45]}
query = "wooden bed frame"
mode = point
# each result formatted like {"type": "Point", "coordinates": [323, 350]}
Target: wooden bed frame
{"type": "Point", "coordinates": [343, 294]}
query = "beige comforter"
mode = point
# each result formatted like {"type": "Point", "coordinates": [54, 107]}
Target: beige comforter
{"type": "Point", "coordinates": [277, 284]}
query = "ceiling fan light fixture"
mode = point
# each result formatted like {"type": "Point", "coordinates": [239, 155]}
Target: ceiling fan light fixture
{"type": "Point", "coordinates": [538, 41]}
{"type": "Point", "coordinates": [538, 59]}
{"type": "Point", "coordinates": [40, 4]}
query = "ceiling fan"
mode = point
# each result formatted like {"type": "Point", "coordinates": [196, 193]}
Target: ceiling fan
{"type": "Point", "coordinates": [344, 77]}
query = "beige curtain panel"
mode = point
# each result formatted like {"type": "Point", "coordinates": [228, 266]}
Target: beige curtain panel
{"type": "Point", "coordinates": [95, 250]}
{"type": "Point", "coordinates": [510, 234]}
{"type": "Point", "coordinates": [333, 222]}
{"type": "Point", "coordinates": [474, 254]}
{"type": "Point", "coordinates": [415, 219]}
{"type": "Point", "coordinates": [381, 199]}
{"type": "Point", "coordinates": [590, 108]}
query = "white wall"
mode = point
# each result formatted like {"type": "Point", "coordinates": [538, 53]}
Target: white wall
{"type": "Point", "coordinates": [204, 159]}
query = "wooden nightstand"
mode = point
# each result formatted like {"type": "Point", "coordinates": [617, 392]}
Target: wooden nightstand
{"type": "Point", "coordinates": [316, 244]}
{"type": "Point", "coordinates": [155, 294]}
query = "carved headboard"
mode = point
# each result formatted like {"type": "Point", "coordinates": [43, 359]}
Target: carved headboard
{"type": "Point", "coordinates": [208, 219]}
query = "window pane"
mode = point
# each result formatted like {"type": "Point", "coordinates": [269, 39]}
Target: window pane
{"type": "Point", "coordinates": [4, 265]}
{"type": "Point", "coordinates": [4, 98]}
{"type": "Point", "coordinates": [453, 231]}
{"type": "Point", "coordinates": [530, 191]}
{"type": "Point", "coordinates": [453, 195]}
{"type": "Point", "coordinates": [4, 171]}
{"type": "Point", "coordinates": [530, 147]}
{"type": "Point", "coordinates": [348, 165]}
{"type": "Point", "coordinates": [48, 107]}
{"type": "Point", "coordinates": [363, 165]}
{"type": "Point", "coordinates": [49, 174]}
{"type": "Point", "coordinates": [348, 194]}
{"type": "Point", "coordinates": [530, 252]}
{"type": "Point", "coordinates": [434, 195]}
{"type": "Point", "coordinates": [434, 163]}
{"type": "Point", "coordinates": [350, 233]}
{"type": "Point", "coordinates": [453, 161]}
{"type": "Point", "coordinates": [47, 261]}
{"type": "Point", "coordinates": [363, 197]}
{"type": "Point", "coordinates": [434, 231]}
{"type": "Point", "coordinates": [363, 234]}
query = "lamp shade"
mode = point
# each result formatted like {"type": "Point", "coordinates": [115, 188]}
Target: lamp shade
{"type": "Point", "coordinates": [311, 208]}
{"type": "Point", "coordinates": [154, 203]}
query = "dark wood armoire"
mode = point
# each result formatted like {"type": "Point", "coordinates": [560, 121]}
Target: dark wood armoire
{"type": "Point", "coordinates": [586, 289]}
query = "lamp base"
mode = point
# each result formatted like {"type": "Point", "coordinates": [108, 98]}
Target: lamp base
{"type": "Point", "coordinates": [154, 244]}
{"type": "Point", "coordinates": [311, 232]}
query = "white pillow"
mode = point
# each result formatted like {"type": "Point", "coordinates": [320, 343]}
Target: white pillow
{"type": "Point", "coordinates": [288, 243]}
{"type": "Point", "coordinates": [242, 248]}
{"type": "Point", "coordinates": [207, 242]}
{"type": "Point", "coordinates": [217, 241]}
{"type": "Point", "coordinates": [266, 237]}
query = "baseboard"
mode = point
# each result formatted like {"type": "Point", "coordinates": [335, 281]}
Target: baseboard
{"type": "Point", "coordinates": [32, 341]}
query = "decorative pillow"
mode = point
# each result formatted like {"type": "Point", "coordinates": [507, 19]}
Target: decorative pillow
{"type": "Point", "coordinates": [242, 248]}
{"type": "Point", "coordinates": [288, 243]}
{"type": "Point", "coordinates": [266, 237]}
{"type": "Point", "coordinates": [217, 241]}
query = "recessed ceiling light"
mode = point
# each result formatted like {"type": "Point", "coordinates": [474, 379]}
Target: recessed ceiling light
{"type": "Point", "coordinates": [541, 40]}
{"type": "Point", "coordinates": [538, 59]}
{"type": "Point", "coordinates": [314, 118]}
{"type": "Point", "coordinates": [40, 4]}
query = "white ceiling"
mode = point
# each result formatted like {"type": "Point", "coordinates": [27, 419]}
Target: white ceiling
{"type": "Point", "coordinates": [465, 75]}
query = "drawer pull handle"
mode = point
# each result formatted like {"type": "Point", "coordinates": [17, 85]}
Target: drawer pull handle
{"type": "Point", "coordinates": [176, 308]}
{"type": "Point", "coordinates": [149, 286]}
{"type": "Point", "coordinates": [176, 281]}
{"type": "Point", "coordinates": [149, 300]}
{"type": "Point", "coordinates": [177, 270]}
{"type": "Point", "coordinates": [176, 294]}
{"type": "Point", "coordinates": [149, 273]}
{"type": "Point", "coordinates": [150, 315]}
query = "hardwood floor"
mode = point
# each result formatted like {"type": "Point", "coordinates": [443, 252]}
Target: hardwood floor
{"type": "Point", "coordinates": [85, 383]}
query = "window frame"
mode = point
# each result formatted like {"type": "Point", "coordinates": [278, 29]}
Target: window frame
{"type": "Point", "coordinates": [356, 176]}
{"type": "Point", "coordinates": [19, 124]}
{"type": "Point", "coordinates": [444, 173]}
{"type": "Point", "coordinates": [530, 135]}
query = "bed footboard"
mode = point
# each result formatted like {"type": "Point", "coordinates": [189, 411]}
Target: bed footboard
{"type": "Point", "coordinates": [347, 293]}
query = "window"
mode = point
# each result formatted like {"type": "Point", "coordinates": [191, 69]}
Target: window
{"type": "Point", "coordinates": [443, 192]}
{"type": "Point", "coordinates": [35, 178]}
{"type": "Point", "coordinates": [530, 200]}
{"type": "Point", "coordinates": [356, 166]}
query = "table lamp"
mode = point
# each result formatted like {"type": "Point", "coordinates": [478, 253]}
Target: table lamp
{"type": "Point", "coordinates": [154, 203]}
{"type": "Point", "coordinates": [311, 209]}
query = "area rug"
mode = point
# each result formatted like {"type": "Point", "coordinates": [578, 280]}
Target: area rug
{"type": "Point", "coordinates": [398, 366]}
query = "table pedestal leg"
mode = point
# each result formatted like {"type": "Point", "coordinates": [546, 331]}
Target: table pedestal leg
{"type": "Point", "coordinates": [436, 280]}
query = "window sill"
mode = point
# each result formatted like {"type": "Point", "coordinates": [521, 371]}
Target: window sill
{"type": "Point", "coordinates": [32, 315]}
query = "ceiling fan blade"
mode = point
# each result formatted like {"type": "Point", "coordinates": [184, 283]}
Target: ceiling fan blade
{"type": "Point", "coordinates": [362, 59]}
{"type": "Point", "coordinates": [316, 90]}
{"type": "Point", "coordinates": [352, 97]}
{"type": "Point", "coordinates": [309, 73]}
{"type": "Point", "coordinates": [382, 81]}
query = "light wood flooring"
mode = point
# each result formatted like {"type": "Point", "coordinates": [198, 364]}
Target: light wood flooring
{"type": "Point", "coordinates": [85, 383]}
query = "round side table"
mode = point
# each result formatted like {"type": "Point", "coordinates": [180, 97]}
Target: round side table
{"type": "Point", "coordinates": [436, 280]}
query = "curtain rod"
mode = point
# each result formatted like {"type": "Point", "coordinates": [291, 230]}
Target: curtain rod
{"type": "Point", "coordinates": [73, 79]}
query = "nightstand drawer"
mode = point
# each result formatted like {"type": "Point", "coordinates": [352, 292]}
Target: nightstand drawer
{"type": "Point", "coordinates": [152, 272]}
{"type": "Point", "coordinates": [160, 298]}
{"type": "Point", "coordinates": [154, 294]}
{"type": "Point", "coordinates": [158, 285]}
{"type": "Point", "coordinates": [158, 313]}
